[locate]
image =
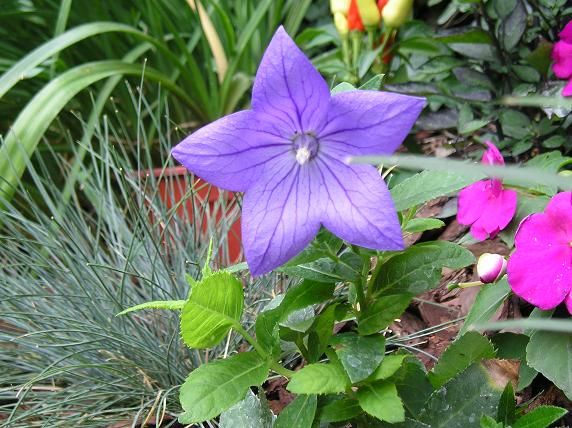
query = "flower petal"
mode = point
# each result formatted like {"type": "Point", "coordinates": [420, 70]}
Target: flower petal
{"type": "Point", "coordinates": [559, 209]}
{"type": "Point", "coordinates": [542, 277]}
{"type": "Point", "coordinates": [567, 91]}
{"type": "Point", "coordinates": [486, 210]}
{"type": "Point", "coordinates": [233, 152]}
{"type": "Point", "coordinates": [289, 88]}
{"type": "Point", "coordinates": [280, 216]}
{"type": "Point", "coordinates": [562, 56]}
{"type": "Point", "coordinates": [368, 122]}
{"type": "Point", "coordinates": [492, 156]}
{"type": "Point", "coordinates": [566, 33]}
{"type": "Point", "coordinates": [568, 301]}
{"type": "Point", "coordinates": [358, 206]}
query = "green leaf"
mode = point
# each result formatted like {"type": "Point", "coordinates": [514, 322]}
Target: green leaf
{"type": "Point", "coordinates": [550, 353]}
{"type": "Point", "coordinates": [342, 87]}
{"type": "Point", "coordinates": [248, 413]}
{"type": "Point", "coordinates": [215, 387]}
{"type": "Point", "coordinates": [488, 422]}
{"type": "Point", "coordinates": [214, 306]}
{"type": "Point", "coordinates": [507, 406]}
{"type": "Point", "coordinates": [305, 294]}
{"type": "Point", "coordinates": [541, 417]}
{"type": "Point", "coordinates": [515, 124]}
{"type": "Point", "coordinates": [321, 331]}
{"type": "Point", "coordinates": [382, 313]}
{"type": "Point", "coordinates": [33, 121]}
{"type": "Point", "coordinates": [462, 401]}
{"type": "Point", "coordinates": [466, 350]}
{"type": "Point", "coordinates": [526, 73]}
{"type": "Point", "coordinates": [327, 270]}
{"type": "Point", "coordinates": [513, 26]}
{"type": "Point", "coordinates": [380, 400]}
{"type": "Point", "coordinates": [299, 413]}
{"type": "Point", "coordinates": [418, 269]}
{"type": "Point", "coordinates": [472, 35]}
{"type": "Point", "coordinates": [359, 355]}
{"type": "Point", "coordinates": [319, 379]}
{"type": "Point", "coordinates": [427, 185]}
{"type": "Point", "coordinates": [487, 302]}
{"type": "Point", "coordinates": [388, 367]}
{"type": "Point", "coordinates": [526, 205]}
{"type": "Point", "coordinates": [157, 304]}
{"type": "Point", "coordinates": [373, 84]}
{"type": "Point", "coordinates": [422, 224]}
{"type": "Point", "coordinates": [340, 410]}
{"type": "Point", "coordinates": [412, 385]}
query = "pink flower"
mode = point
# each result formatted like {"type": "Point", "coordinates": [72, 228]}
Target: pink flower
{"type": "Point", "coordinates": [486, 205]}
{"type": "Point", "coordinates": [540, 270]}
{"type": "Point", "coordinates": [562, 56]}
{"type": "Point", "coordinates": [491, 267]}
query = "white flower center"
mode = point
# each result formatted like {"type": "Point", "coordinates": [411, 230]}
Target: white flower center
{"type": "Point", "coordinates": [305, 147]}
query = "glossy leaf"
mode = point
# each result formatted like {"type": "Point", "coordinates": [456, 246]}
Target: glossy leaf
{"type": "Point", "coordinates": [250, 412]}
{"type": "Point", "coordinates": [340, 410]}
{"type": "Point", "coordinates": [422, 224]}
{"type": "Point", "coordinates": [487, 302]}
{"type": "Point", "coordinates": [507, 405]}
{"type": "Point", "coordinates": [299, 413]}
{"type": "Point", "coordinates": [382, 313]}
{"type": "Point", "coordinates": [380, 400]}
{"type": "Point", "coordinates": [360, 355]}
{"type": "Point", "coordinates": [388, 367]}
{"type": "Point", "coordinates": [319, 378]}
{"type": "Point", "coordinates": [541, 417]}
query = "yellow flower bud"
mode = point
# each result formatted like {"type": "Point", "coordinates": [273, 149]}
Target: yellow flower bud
{"type": "Point", "coordinates": [339, 6]}
{"type": "Point", "coordinates": [396, 12]}
{"type": "Point", "coordinates": [368, 12]}
{"type": "Point", "coordinates": [341, 23]}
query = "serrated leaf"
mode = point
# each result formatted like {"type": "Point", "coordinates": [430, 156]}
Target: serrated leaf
{"type": "Point", "coordinates": [550, 353]}
{"type": "Point", "coordinates": [250, 412]}
{"type": "Point", "coordinates": [214, 306]}
{"type": "Point", "coordinates": [462, 401]}
{"type": "Point", "coordinates": [359, 355]}
{"type": "Point", "coordinates": [172, 305]}
{"type": "Point", "coordinates": [541, 417]}
{"type": "Point", "coordinates": [319, 379]}
{"type": "Point", "coordinates": [382, 313]}
{"type": "Point", "coordinates": [507, 405]}
{"type": "Point", "coordinates": [299, 413]}
{"type": "Point", "coordinates": [340, 410]}
{"type": "Point", "coordinates": [380, 400]}
{"type": "Point", "coordinates": [422, 224]}
{"type": "Point", "coordinates": [487, 302]}
{"type": "Point", "coordinates": [418, 269]}
{"type": "Point", "coordinates": [215, 387]}
{"type": "Point", "coordinates": [412, 385]}
{"type": "Point", "coordinates": [388, 367]}
{"type": "Point", "coordinates": [466, 350]}
{"type": "Point", "coordinates": [428, 185]}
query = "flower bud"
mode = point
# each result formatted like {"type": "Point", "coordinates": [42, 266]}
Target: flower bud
{"type": "Point", "coordinates": [396, 12]}
{"type": "Point", "coordinates": [491, 267]}
{"type": "Point", "coordinates": [339, 6]}
{"type": "Point", "coordinates": [341, 23]}
{"type": "Point", "coordinates": [354, 20]}
{"type": "Point", "coordinates": [369, 13]}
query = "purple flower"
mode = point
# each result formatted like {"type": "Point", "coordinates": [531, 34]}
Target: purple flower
{"type": "Point", "coordinates": [486, 205]}
{"type": "Point", "coordinates": [288, 155]}
{"type": "Point", "coordinates": [540, 270]}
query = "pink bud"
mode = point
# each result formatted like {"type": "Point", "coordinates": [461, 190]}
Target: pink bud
{"type": "Point", "coordinates": [491, 267]}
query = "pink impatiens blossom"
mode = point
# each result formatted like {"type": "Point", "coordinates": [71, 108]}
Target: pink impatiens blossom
{"type": "Point", "coordinates": [540, 270]}
{"type": "Point", "coordinates": [485, 205]}
{"type": "Point", "coordinates": [491, 267]}
{"type": "Point", "coordinates": [562, 56]}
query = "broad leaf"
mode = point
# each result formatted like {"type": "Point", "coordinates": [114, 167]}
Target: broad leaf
{"type": "Point", "coordinates": [380, 400]}
{"type": "Point", "coordinates": [215, 387]}
{"type": "Point", "coordinates": [466, 350]}
{"type": "Point", "coordinates": [550, 353]}
{"type": "Point", "coordinates": [488, 422]}
{"type": "Point", "coordinates": [340, 410]}
{"type": "Point", "coordinates": [388, 367]}
{"type": "Point", "coordinates": [418, 269]}
{"type": "Point", "coordinates": [541, 417]}
{"type": "Point", "coordinates": [250, 412]}
{"type": "Point", "coordinates": [359, 355]}
{"type": "Point", "coordinates": [327, 270]}
{"type": "Point", "coordinates": [488, 301]}
{"type": "Point", "coordinates": [319, 379]}
{"type": "Point", "coordinates": [382, 313]}
{"type": "Point", "coordinates": [507, 405]}
{"type": "Point", "coordinates": [427, 185]}
{"type": "Point", "coordinates": [422, 224]}
{"type": "Point", "coordinates": [214, 306]}
{"type": "Point", "coordinates": [157, 304]}
{"type": "Point", "coordinates": [412, 385]}
{"type": "Point", "coordinates": [462, 401]}
{"type": "Point", "coordinates": [325, 243]}
{"type": "Point", "coordinates": [299, 413]}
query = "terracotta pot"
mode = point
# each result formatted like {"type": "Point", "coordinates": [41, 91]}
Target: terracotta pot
{"type": "Point", "coordinates": [174, 184]}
